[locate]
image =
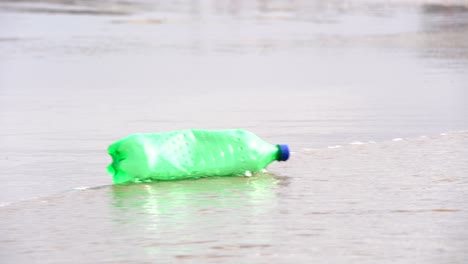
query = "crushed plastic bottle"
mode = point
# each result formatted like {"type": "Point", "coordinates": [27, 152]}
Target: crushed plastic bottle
{"type": "Point", "coordinates": [190, 154]}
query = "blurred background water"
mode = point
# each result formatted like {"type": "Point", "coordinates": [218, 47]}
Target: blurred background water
{"type": "Point", "coordinates": [370, 95]}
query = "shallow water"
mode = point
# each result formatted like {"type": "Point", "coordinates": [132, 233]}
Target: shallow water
{"type": "Point", "coordinates": [397, 201]}
{"type": "Point", "coordinates": [351, 86]}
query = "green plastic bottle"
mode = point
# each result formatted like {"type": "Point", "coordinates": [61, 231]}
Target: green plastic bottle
{"type": "Point", "coordinates": [190, 154]}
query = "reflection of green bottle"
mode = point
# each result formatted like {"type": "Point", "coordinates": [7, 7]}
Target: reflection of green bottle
{"type": "Point", "coordinates": [190, 154]}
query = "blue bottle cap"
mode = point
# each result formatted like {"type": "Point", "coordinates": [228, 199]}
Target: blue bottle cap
{"type": "Point", "coordinates": [283, 152]}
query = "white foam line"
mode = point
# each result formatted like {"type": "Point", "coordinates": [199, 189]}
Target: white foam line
{"type": "Point", "coordinates": [40, 198]}
{"type": "Point", "coordinates": [394, 140]}
{"type": "Point", "coordinates": [81, 188]}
